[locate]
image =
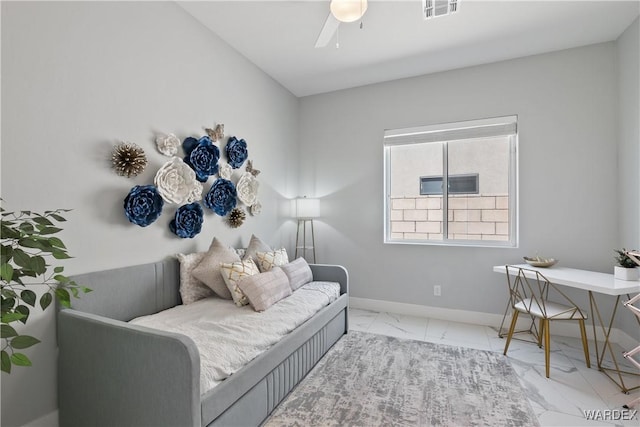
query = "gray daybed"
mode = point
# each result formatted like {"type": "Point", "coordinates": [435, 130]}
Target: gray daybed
{"type": "Point", "coordinates": [112, 373]}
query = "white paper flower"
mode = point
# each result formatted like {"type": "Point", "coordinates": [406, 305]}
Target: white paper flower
{"type": "Point", "coordinates": [224, 170]}
{"type": "Point", "coordinates": [247, 189]}
{"type": "Point", "coordinates": [255, 208]}
{"type": "Point", "coordinates": [176, 182]}
{"type": "Point", "coordinates": [168, 144]}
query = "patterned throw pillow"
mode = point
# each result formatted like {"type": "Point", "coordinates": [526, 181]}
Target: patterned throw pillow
{"type": "Point", "coordinates": [298, 272]}
{"type": "Point", "coordinates": [208, 270]}
{"type": "Point", "coordinates": [265, 289]}
{"type": "Point", "coordinates": [234, 272]}
{"type": "Point", "coordinates": [268, 260]}
{"type": "Point", "coordinates": [191, 289]}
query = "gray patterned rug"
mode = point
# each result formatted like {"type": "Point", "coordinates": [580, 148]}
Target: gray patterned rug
{"type": "Point", "coordinates": [374, 380]}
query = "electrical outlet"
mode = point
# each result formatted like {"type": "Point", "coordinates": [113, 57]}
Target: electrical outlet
{"type": "Point", "coordinates": [437, 290]}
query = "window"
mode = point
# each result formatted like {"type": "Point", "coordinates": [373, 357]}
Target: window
{"type": "Point", "coordinates": [452, 184]}
{"type": "Point", "coordinates": [458, 184]}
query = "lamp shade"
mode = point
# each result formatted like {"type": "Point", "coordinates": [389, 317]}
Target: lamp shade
{"type": "Point", "coordinates": [348, 10]}
{"type": "Point", "coordinates": [307, 208]}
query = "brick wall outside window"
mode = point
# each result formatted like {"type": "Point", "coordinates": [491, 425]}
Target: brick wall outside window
{"type": "Point", "coordinates": [470, 217]}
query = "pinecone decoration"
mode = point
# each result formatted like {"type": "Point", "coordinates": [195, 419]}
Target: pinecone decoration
{"type": "Point", "coordinates": [236, 217]}
{"type": "Point", "coordinates": [128, 159]}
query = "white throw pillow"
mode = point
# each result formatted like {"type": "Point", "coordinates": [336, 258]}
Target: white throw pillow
{"type": "Point", "coordinates": [270, 259]}
{"type": "Point", "coordinates": [234, 272]}
{"type": "Point", "coordinates": [191, 289]}
{"type": "Point", "coordinates": [298, 272]}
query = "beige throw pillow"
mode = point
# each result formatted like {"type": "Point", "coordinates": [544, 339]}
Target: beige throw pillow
{"type": "Point", "coordinates": [191, 289]}
{"type": "Point", "coordinates": [270, 259]}
{"type": "Point", "coordinates": [235, 272]}
{"type": "Point", "coordinates": [255, 245]}
{"type": "Point", "coordinates": [298, 272]}
{"type": "Point", "coordinates": [265, 289]}
{"type": "Point", "coordinates": [208, 270]}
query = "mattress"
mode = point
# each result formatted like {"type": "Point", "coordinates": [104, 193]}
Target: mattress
{"type": "Point", "coordinates": [228, 337]}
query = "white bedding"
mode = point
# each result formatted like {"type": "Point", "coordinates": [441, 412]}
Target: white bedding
{"type": "Point", "coordinates": [228, 337]}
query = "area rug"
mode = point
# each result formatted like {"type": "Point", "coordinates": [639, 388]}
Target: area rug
{"type": "Point", "coordinates": [374, 380]}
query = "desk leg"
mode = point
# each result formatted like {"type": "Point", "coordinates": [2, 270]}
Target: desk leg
{"type": "Point", "coordinates": [606, 345]}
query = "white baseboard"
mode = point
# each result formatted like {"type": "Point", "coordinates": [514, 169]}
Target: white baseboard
{"type": "Point", "coordinates": [565, 329]}
{"type": "Point", "coordinates": [49, 420]}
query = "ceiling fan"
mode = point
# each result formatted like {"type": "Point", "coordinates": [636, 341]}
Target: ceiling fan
{"type": "Point", "coordinates": [352, 10]}
{"type": "Point", "coordinates": [340, 11]}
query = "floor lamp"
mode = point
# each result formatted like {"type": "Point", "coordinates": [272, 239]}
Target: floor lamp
{"type": "Point", "coordinates": [306, 210]}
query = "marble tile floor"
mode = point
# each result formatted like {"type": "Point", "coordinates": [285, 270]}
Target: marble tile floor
{"type": "Point", "coordinates": [557, 401]}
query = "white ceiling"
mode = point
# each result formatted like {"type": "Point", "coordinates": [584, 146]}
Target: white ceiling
{"type": "Point", "coordinates": [279, 36]}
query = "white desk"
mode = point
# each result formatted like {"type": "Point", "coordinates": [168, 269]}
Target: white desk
{"type": "Point", "coordinates": [593, 282]}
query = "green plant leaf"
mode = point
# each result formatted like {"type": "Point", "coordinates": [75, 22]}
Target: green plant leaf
{"type": "Point", "coordinates": [61, 278]}
{"type": "Point", "coordinates": [57, 243]}
{"type": "Point", "coordinates": [11, 317]}
{"type": "Point", "coordinates": [24, 310]}
{"type": "Point", "coordinates": [20, 359]}
{"type": "Point", "coordinates": [42, 220]}
{"type": "Point", "coordinates": [59, 254]}
{"type": "Point", "coordinates": [57, 217]}
{"type": "Point", "coordinates": [8, 300]}
{"type": "Point", "coordinates": [7, 331]}
{"type": "Point", "coordinates": [49, 230]}
{"type": "Point", "coordinates": [30, 242]}
{"type": "Point", "coordinates": [9, 232]}
{"type": "Point", "coordinates": [27, 227]}
{"type": "Point", "coordinates": [6, 254]}
{"type": "Point", "coordinates": [21, 258]}
{"type": "Point", "coordinates": [58, 269]}
{"type": "Point", "coordinates": [6, 272]}
{"type": "Point", "coordinates": [24, 341]}
{"type": "Point", "coordinates": [38, 265]}
{"type": "Point", "coordinates": [64, 297]}
{"type": "Point", "coordinates": [45, 300]}
{"type": "Point", "coordinates": [5, 362]}
{"type": "Point", "coordinates": [28, 297]}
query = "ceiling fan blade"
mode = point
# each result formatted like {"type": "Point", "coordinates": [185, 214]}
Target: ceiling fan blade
{"type": "Point", "coordinates": [328, 30]}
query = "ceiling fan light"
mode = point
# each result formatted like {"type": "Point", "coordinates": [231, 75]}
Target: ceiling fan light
{"type": "Point", "coordinates": [348, 10]}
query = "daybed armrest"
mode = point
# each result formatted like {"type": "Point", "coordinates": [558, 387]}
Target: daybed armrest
{"type": "Point", "coordinates": [331, 273]}
{"type": "Point", "coordinates": [112, 373]}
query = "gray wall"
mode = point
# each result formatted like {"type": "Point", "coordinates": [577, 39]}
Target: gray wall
{"type": "Point", "coordinates": [566, 104]}
{"type": "Point", "coordinates": [629, 137]}
{"type": "Point", "coordinates": [77, 77]}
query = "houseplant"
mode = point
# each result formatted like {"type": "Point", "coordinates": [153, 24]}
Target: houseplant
{"type": "Point", "coordinates": [28, 243]}
{"type": "Point", "coordinates": [626, 267]}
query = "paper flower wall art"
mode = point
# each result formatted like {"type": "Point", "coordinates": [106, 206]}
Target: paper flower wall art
{"type": "Point", "coordinates": [187, 222]}
{"type": "Point", "coordinates": [168, 144]}
{"type": "Point", "coordinates": [247, 189]}
{"type": "Point", "coordinates": [202, 156]}
{"type": "Point", "coordinates": [143, 205]}
{"type": "Point", "coordinates": [128, 159]}
{"type": "Point", "coordinates": [221, 198]}
{"type": "Point", "coordinates": [236, 150]}
{"type": "Point", "coordinates": [176, 182]}
{"type": "Point", "coordinates": [255, 209]}
{"type": "Point", "coordinates": [224, 170]}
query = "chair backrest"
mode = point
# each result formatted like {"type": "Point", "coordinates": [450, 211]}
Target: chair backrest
{"type": "Point", "coordinates": [530, 288]}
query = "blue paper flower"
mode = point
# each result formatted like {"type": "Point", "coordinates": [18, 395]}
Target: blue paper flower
{"type": "Point", "coordinates": [236, 152]}
{"type": "Point", "coordinates": [221, 198]}
{"type": "Point", "coordinates": [143, 205]}
{"type": "Point", "coordinates": [188, 220]}
{"type": "Point", "coordinates": [202, 156]}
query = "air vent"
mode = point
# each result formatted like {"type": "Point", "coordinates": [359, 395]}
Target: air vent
{"type": "Point", "coordinates": [436, 8]}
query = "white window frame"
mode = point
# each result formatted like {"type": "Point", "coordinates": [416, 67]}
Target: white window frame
{"type": "Point", "coordinates": [441, 133]}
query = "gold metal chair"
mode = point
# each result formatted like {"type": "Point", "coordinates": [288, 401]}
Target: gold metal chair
{"type": "Point", "coordinates": [529, 292]}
